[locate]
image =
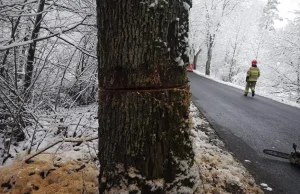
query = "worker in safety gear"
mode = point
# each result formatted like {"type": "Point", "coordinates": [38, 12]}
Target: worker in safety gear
{"type": "Point", "coordinates": [252, 75]}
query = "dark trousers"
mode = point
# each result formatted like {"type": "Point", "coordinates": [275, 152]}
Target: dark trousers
{"type": "Point", "coordinates": [250, 85]}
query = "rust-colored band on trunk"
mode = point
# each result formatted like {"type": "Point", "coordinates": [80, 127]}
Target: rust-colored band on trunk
{"type": "Point", "coordinates": [124, 90]}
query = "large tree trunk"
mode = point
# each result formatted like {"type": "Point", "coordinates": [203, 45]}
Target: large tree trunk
{"type": "Point", "coordinates": [32, 46]}
{"type": "Point", "coordinates": [143, 97]}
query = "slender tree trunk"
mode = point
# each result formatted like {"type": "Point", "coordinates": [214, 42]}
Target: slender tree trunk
{"type": "Point", "coordinates": [232, 63]}
{"type": "Point", "coordinates": [16, 69]}
{"type": "Point", "coordinates": [196, 58]}
{"type": "Point", "coordinates": [143, 97]}
{"type": "Point", "coordinates": [298, 82]}
{"type": "Point", "coordinates": [32, 46]}
{"type": "Point", "coordinates": [62, 79]}
{"type": "Point", "coordinates": [209, 55]}
{"type": "Point", "coordinates": [13, 32]}
{"type": "Point", "coordinates": [2, 69]}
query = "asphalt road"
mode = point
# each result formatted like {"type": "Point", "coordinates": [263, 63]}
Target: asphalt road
{"type": "Point", "coordinates": [248, 125]}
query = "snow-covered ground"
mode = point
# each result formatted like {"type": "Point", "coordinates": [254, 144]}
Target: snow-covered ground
{"type": "Point", "coordinates": [219, 171]}
{"type": "Point", "coordinates": [78, 122]}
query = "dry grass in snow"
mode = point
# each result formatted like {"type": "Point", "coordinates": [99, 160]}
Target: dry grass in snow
{"type": "Point", "coordinates": [220, 172]}
{"type": "Point", "coordinates": [49, 174]}
{"type": "Point", "coordinates": [75, 171]}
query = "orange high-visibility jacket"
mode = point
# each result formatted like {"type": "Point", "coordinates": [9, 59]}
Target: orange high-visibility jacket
{"type": "Point", "coordinates": [253, 74]}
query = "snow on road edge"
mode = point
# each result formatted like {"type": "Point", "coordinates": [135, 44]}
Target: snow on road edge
{"type": "Point", "coordinates": [220, 172]}
{"type": "Point", "coordinates": [264, 94]}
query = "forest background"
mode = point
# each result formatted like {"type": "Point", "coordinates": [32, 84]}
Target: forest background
{"type": "Point", "coordinates": [48, 62]}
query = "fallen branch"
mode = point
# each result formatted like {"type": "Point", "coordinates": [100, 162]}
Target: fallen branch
{"type": "Point", "coordinates": [73, 140]}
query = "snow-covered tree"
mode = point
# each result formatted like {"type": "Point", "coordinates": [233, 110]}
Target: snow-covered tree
{"type": "Point", "coordinates": [40, 46]}
{"type": "Point", "coordinates": [237, 44]}
{"type": "Point", "coordinates": [270, 14]}
{"type": "Point", "coordinates": [286, 60]}
{"type": "Point", "coordinates": [207, 18]}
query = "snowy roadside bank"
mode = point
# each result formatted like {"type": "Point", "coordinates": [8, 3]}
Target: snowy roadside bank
{"type": "Point", "coordinates": [261, 93]}
{"type": "Point", "coordinates": [220, 172]}
{"type": "Point", "coordinates": [80, 122]}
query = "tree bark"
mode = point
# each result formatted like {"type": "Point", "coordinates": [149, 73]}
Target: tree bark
{"type": "Point", "coordinates": [298, 82]}
{"type": "Point", "coordinates": [209, 56]}
{"type": "Point", "coordinates": [32, 46]}
{"type": "Point", "coordinates": [195, 61]}
{"type": "Point", "coordinates": [143, 97]}
{"type": "Point", "coordinates": [232, 63]}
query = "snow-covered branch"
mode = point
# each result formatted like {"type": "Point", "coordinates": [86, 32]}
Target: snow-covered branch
{"type": "Point", "coordinates": [16, 44]}
{"type": "Point", "coordinates": [72, 140]}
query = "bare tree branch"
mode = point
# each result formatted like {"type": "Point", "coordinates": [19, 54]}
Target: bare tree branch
{"type": "Point", "coordinates": [77, 140]}
{"type": "Point", "coordinates": [2, 47]}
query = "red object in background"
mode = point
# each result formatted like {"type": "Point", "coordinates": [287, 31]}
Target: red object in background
{"type": "Point", "coordinates": [190, 67]}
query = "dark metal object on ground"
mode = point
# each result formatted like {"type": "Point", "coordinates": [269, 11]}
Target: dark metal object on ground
{"type": "Point", "coordinates": [277, 154]}
{"type": "Point", "coordinates": [294, 157]}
